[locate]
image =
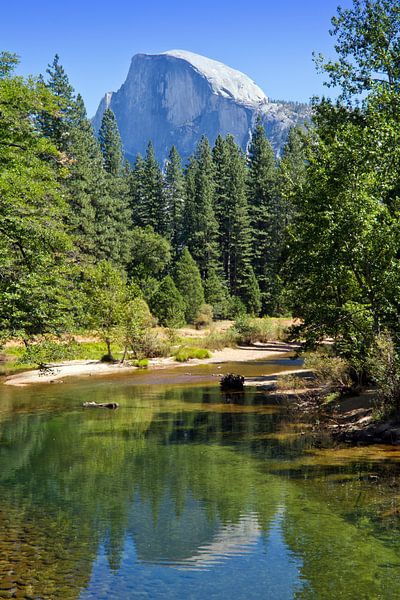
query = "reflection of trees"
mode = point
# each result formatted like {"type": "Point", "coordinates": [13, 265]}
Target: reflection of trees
{"type": "Point", "coordinates": [177, 470]}
{"type": "Point", "coordinates": [99, 475]}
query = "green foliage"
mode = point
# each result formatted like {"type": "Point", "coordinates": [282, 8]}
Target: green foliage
{"type": "Point", "coordinates": [250, 291]}
{"type": "Point", "coordinates": [106, 301]}
{"type": "Point", "coordinates": [49, 351]}
{"type": "Point", "coordinates": [186, 353]}
{"type": "Point", "coordinates": [34, 294]}
{"type": "Point", "coordinates": [368, 48]}
{"type": "Point", "coordinates": [136, 323]}
{"type": "Point", "coordinates": [168, 305]}
{"type": "Point", "coordinates": [188, 282]}
{"type": "Point", "coordinates": [150, 253]}
{"type": "Point", "coordinates": [143, 363]}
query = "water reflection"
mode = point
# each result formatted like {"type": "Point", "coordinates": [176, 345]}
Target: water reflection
{"type": "Point", "coordinates": [180, 494]}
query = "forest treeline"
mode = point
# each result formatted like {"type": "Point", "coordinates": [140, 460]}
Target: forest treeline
{"type": "Point", "coordinates": [315, 234]}
{"type": "Point", "coordinates": [78, 218]}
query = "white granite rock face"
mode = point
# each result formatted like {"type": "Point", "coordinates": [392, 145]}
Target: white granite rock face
{"type": "Point", "coordinates": [177, 96]}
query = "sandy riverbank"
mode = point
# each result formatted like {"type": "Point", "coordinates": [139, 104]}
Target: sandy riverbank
{"type": "Point", "coordinates": [78, 368]}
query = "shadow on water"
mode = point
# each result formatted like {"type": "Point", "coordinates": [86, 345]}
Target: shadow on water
{"type": "Point", "coordinates": [187, 493]}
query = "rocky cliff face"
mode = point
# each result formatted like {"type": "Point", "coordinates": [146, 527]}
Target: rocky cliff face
{"type": "Point", "coordinates": [177, 96]}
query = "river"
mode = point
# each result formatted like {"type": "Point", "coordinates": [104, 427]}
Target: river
{"type": "Point", "coordinates": [184, 493]}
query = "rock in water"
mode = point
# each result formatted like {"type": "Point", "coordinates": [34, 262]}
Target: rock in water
{"type": "Point", "coordinates": [175, 97]}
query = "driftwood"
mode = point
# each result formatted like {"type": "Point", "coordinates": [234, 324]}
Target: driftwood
{"type": "Point", "coordinates": [112, 405]}
{"type": "Point", "coordinates": [231, 382]}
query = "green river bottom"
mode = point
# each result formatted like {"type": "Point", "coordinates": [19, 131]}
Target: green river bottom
{"type": "Point", "coordinates": [184, 493]}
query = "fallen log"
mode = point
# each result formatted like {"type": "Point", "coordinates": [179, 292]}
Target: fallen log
{"type": "Point", "coordinates": [111, 405]}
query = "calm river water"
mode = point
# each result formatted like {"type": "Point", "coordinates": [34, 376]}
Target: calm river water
{"type": "Point", "coordinates": [183, 493]}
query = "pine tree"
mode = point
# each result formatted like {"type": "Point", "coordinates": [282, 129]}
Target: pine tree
{"type": "Point", "coordinates": [136, 192]}
{"type": "Point", "coordinates": [174, 197]}
{"type": "Point", "coordinates": [168, 305]}
{"type": "Point", "coordinates": [188, 281]}
{"type": "Point", "coordinates": [110, 143]}
{"type": "Point", "coordinates": [57, 127]}
{"type": "Point", "coordinates": [217, 294]}
{"type": "Point", "coordinates": [147, 193]}
{"type": "Point", "coordinates": [266, 216]}
{"type": "Point", "coordinates": [232, 213]}
{"type": "Point", "coordinates": [200, 228]}
{"type": "Point", "coordinates": [249, 291]}
{"type": "Point", "coordinates": [99, 217]}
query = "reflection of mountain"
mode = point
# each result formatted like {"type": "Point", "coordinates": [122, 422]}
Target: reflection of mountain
{"type": "Point", "coordinates": [189, 539]}
{"type": "Point", "coordinates": [232, 539]}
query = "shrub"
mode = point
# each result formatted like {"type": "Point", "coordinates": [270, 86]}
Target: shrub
{"type": "Point", "coordinates": [251, 330]}
{"type": "Point", "coordinates": [185, 353]}
{"type": "Point", "coordinates": [218, 340]}
{"type": "Point", "coordinates": [383, 364]}
{"type": "Point", "coordinates": [151, 345]}
{"type": "Point", "coordinates": [329, 369]}
{"type": "Point", "coordinates": [143, 363]}
{"type": "Point", "coordinates": [204, 317]}
{"type": "Point", "coordinates": [291, 382]}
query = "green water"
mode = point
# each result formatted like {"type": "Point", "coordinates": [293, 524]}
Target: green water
{"type": "Point", "coordinates": [184, 494]}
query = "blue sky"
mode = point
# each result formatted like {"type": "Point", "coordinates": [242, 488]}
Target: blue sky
{"type": "Point", "coordinates": [271, 40]}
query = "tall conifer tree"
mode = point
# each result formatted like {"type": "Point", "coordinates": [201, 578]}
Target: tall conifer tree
{"type": "Point", "coordinates": [110, 143]}
{"type": "Point", "coordinates": [200, 228]}
{"type": "Point", "coordinates": [265, 215]}
{"type": "Point", "coordinates": [174, 197]}
{"type": "Point", "coordinates": [147, 193]}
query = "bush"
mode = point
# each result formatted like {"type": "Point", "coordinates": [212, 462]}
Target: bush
{"type": "Point", "coordinates": [329, 369]}
{"type": "Point", "coordinates": [185, 353]}
{"type": "Point", "coordinates": [204, 317]}
{"type": "Point", "coordinates": [251, 330]}
{"type": "Point", "coordinates": [143, 363]}
{"type": "Point", "coordinates": [151, 345]}
{"type": "Point", "coordinates": [218, 340]}
{"type": "Point", "coordinates": [291, 382]}
{"type": "Point", "coordinates": [383, 365]}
